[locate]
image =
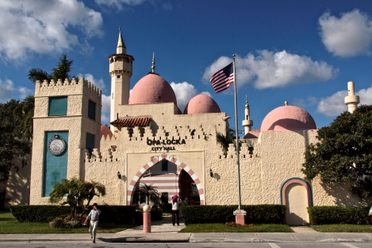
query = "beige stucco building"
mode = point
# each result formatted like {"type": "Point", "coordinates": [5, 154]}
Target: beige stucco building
{"type": "Point", "coordinates": [152, 141]}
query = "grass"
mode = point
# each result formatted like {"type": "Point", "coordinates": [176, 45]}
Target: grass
{"type": "Point", "coordinates": [9, 224]}
{"type": "Point", "coordinates": [342, 228]}
{"type": "Point", "coordinates": [197, 228]}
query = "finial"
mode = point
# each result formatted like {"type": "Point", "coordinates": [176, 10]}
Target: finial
{"type": "Point", "coordinates": [246, 99]}
{"type": "Point", "coordinates": [285, 103]}
{"type": "Point", "coordinates": [120, 48]}
{"type": "Point", "coordinates": [153, 66]}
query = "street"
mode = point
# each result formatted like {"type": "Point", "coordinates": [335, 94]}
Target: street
{"type": "Point", "coordinates": [100, 244]}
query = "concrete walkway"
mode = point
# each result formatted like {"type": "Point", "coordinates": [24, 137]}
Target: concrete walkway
{"type": "Point", "coordinates": [164, 231]}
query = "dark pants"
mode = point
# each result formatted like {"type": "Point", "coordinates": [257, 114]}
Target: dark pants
{"type": "Point", "coordinates": [176, 217]}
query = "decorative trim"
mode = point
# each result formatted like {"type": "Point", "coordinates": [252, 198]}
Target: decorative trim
{"type": "Point", "coordinates": [180, 166]}
{"type": "Point", "coordinates": [300, 181]}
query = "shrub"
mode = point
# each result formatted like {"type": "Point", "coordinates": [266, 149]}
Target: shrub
{"type": "Point", "coordinates": [338, 215]}
{"type": "Point", "coordinates": [116, 214]}
{"type": "Point", "coordinates": [38, 213]}
{"type": "Point", "coordinates": [47, 213]}
{"type": "Point", "coordinates": [273, 214]}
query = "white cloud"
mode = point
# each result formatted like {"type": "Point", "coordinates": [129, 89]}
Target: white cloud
{"type": "Point", "coordinates": [334, 104]}
{"type": "Point", "coordinates": [106, 103]}
{"type": "Point", "coordinates": [8, 91]}
{"type": "Point", "coordinates": [44, 26]}
{"type": "Point", "coordinates": [119, 3]}
{"type": "Point", "coordinates": [184, 92]}
{"type": "Point", "coordinates": [97, 82]}
{"type": "Point", "coordinates": [270, 69]}
{"type": "Point", "coordinates": [349, 35]}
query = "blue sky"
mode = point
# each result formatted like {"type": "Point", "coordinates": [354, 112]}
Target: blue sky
{"type": "Point", "coordinates": [303, 52]}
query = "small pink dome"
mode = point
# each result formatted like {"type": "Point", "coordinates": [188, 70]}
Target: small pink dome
{"type": "Point", "coordinates": [105, 131]}
{"type": "Point", "coordinates": [152, 88]}
{"type": "Point", "coordinates": [288, 118]}
{"type": "Point", "coordinates": [253, 134]}
{"type": "Point", "coordinates": [202, 103]}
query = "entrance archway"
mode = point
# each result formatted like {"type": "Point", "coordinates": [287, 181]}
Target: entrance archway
{"type": "Point", "coordinates": [178, 167]}
{"type": "Point", "coordinates": [296, 195]}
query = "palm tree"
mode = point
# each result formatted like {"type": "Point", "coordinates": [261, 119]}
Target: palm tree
{"type": "Point", "coordinates": [225, 140]}
{"type": "Point", "coordinates": [75, 192]}
{"type": "Point", "coordinates": [150, 192]}
{"type": "Point", "coordinates": [61, 71]}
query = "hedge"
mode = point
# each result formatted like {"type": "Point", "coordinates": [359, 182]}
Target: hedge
{"type": "Point", "coordinates": [38, 213]}
{"type": "Point", "coordinates": [46, 213]}
{"type": "Point", "coordinates": [338, 215]}
{"type": "Point", "coordinates": [258, 214]}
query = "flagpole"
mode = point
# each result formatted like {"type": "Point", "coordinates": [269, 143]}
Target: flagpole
{"type": "Point", "coordinates": [236, 133]}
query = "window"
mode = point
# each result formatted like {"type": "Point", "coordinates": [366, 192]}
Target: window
{"type": "Point", "coordinates": [164, 165]}
{"type": "Point", "coordinates": [89, 141]}
{"type": "Point", "coordinates": [91, 110]}
{"type": "Point", "coordinates": [57, 106]}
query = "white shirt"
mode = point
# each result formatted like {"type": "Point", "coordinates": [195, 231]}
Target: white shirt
{"type": "Point", "coordinates": [94, 215]}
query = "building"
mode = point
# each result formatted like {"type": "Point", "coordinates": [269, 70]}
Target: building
{"type": "Point", "coordinates": [152, 141]}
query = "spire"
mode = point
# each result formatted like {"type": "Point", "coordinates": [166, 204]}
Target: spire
{"type": "Point", "coordinates": [120, 49]}
{"type": "Point", "coordinates": [351, 100]}
{"type": "Point", "coordinates": [153, 66]}
{"type": "Point", "coordinates": [247, 122]}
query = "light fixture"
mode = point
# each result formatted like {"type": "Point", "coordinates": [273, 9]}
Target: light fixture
{"type": "Point", "coordinates": [250, 150]}
{"type": "Point", "coordinates": [119, 175]}
{"type": "Point", "coordinates": [211, 173]}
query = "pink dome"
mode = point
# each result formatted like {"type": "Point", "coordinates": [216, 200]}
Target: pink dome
{"type": "Point", "coordinates": [202, 103]}
{"type": "Point", "coordinates": [105, 131]}
{"type": "Point", "coordinates": [152, 88]}
{"type": "Point", "coordinates": [288, 118]}
{"type": "Point", "coordinates": [253, 134]}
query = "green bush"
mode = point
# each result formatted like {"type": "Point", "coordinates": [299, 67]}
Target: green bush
{"type": "Point", "coordinates": [338, 215]}
{"type": "Point", "coordinates": [258, 214]}
{"type": "Point", "coordinates": [116, 214]}
{"type": "Point", "coordinates": [47, 213]}
{"type": "Point", "coordinates": [38, 213]}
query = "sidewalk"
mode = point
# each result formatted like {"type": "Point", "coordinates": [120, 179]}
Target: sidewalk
{"type": "Point", "coordinates": [164, 231]}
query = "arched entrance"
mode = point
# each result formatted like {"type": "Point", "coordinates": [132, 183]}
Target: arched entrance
{"type": "Point", "coordinates": [166, 173]}
{"type": "Point", "coordinates": [296, 195]}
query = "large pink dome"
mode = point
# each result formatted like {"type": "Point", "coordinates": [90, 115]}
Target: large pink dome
{"type": "Point", "coordinates": [152, 88]}
{"type": "Point", "coordinates": [288, 118]}
{"type": "Point", "coordinates": [202, 103]}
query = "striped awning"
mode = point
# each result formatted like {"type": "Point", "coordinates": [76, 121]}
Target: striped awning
{"type": "Point", "coordinates": [132, 121]}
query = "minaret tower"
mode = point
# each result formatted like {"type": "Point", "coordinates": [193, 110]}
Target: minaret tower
{"type": "Point", "coordinates": [247, 122]}
{"type": "Point", "coordinates": [351, 100]}
{"type": "Point", "coordinates": [120, 72]}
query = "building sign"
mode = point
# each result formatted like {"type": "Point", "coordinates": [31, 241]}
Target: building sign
{"type": "Point", "coordinates": [165, 144]}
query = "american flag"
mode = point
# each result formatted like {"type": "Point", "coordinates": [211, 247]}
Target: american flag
{"type": "Point", "coordinates": [223, 78]}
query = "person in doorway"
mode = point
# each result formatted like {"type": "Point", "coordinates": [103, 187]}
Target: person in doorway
{"type": "Point", "coordinates": [175, 210]}
{"type": "Point", "coordinates": [93, 216]}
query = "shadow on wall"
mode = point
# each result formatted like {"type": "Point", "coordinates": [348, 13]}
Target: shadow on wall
{"type": "Point", "coordinates": [342, 194]}
{"type": "Point", "coordinates": [18, 186]}
{"type": "Point", "coordinates": [294, 220]}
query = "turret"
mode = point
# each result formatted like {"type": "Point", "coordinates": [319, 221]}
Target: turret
{"type": "Point", "coordinates": [351, 100]}
{"type": "Point", "coordinates": [247, 122]}
{"type": "Point", "coordinates": [120, 72]}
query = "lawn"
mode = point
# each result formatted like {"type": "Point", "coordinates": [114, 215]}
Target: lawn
{"type": "Point", "coordinates": [9, 224]}
{"type": "Point", "coordinates": [196, 228]}
{"type": "Point", "coordinates": [342, 228]}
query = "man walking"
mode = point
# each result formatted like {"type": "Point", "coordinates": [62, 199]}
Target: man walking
{"type": "Point", "coordinates": [175, 210]}
{"type": "Point", "coordinates": [94, 217]}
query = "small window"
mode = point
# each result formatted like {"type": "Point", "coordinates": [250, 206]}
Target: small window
{"type": "Point", "coordinates": [92, 110]}
{"type": "Point", "coordinates": [57, 106]}
{"type": "Point", "coordinates": [89, 141]}
{"type": "Point", "coordinates": [164, 165]}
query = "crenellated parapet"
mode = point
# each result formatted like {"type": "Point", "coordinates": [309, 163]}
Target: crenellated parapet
{"type": "Point", "coordinates": [133, 134]}
{"type": "Point", "coordinates": [109, 155]}
{"type": "Point", "coordinates": [66, 87]}
{"type": "Point", "coordinates": [248, 150]}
